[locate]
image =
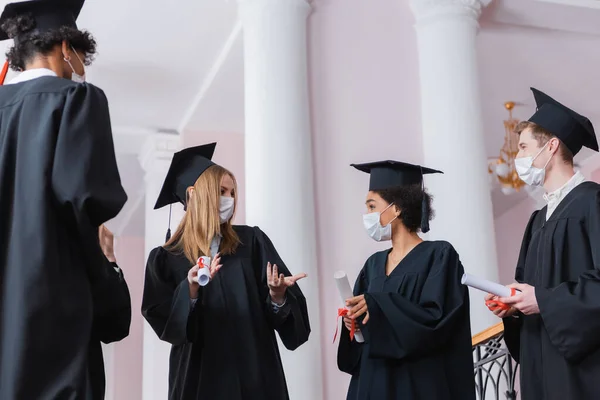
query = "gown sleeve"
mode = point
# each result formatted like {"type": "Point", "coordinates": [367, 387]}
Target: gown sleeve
{"type": "Point", "coordinates": [512, 325]}
{"type": "Point", "coordinates": [564, 307]}
{"type": "Point", "coordinates": [166, 303]}
{"type": "Point", "coordinates": [84, 178]}
{"type": "Point", "coordinates": [398, 328]}
{"type": "Point", "coordinates": [291, 320]}
{"type": "Point", "coordinates": [112, 306]}
{"type": "Point", "coordinates": [350, 351]}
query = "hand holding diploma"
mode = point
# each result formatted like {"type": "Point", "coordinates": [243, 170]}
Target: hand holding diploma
{"type": "Point", "coordinates": [495, 293]}
{"type": "Point", "coordinates": [358, 306]}
{"type": "Point", "coordinates": [192, 277]}
{"type": "Point", "coordinates": [278, 283]}
{"type": "Point", "coordinates": [524, 300]}
{"type": "Point", "coordinates": [499, 309]}
{"type": "Point", "coordinates": [346, 295]}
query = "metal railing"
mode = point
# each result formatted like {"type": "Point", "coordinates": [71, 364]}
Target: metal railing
{"type": "Point", "coordinates": [494, 369]}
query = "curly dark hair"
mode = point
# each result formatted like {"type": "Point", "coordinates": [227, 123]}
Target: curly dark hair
{"type": "Point", "coordinates": [409, 199]}
{"type": "Point", "coordinates": [30, 43]}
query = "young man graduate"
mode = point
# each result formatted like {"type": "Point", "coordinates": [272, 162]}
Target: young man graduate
{"type": "Point", "coordinates": [58, 184]}
{"type": "Point", "coordinates": [553, 325]}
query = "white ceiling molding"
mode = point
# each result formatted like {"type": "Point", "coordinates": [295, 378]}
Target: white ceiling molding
{"type": "Point", "coordinates": [575, 3]}
{"type": "Point", "coordinates": [576, 16]}
{"type": "Point", "coordinates": [210, 77]}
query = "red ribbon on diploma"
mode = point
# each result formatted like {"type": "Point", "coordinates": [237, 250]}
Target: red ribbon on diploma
{"type": "Point", "coordinates": [500, 305]}
{"type": "Point", "coordinates": [342, 312]}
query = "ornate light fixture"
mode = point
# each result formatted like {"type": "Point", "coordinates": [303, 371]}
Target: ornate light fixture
{"type": "Point", "coordinates": [503, 167]}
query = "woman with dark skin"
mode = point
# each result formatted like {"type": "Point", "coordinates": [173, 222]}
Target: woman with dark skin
{"type": "Point", "coordinates": [409, 302]}
{"type": "Point", "coordinates": [59, 182]}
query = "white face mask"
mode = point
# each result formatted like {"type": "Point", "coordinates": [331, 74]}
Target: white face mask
{"type": "Point", "coordinates": [529, 174]}
{"type": "Point", "coordinates": [226, 205]}
{"type": "Point", "coordinates": [75, 77]}
{"type": "Point", "coordinates": [372, 223]}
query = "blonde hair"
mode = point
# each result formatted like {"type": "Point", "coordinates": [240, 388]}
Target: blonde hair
{"type": "Point", "coordinates": [201, 223]}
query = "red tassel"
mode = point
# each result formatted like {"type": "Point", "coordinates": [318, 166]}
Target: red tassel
{"type": "Point", "coordinates": [4, 72]}
{"type": "Point", "coordinates": [341, 313]}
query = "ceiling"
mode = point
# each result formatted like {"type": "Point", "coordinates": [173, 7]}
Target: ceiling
{"type": "Point", "coordinates": [177, 68]}
{"type": "Point", "coordinates": [180, 68]}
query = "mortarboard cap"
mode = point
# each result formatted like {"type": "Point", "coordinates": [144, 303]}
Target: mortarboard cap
{"type": "Point", "coordinates": [390, 174]}
{"type": "Point", "coordinates": [186, 167]}
{"type": "Point", "coordinates": [573, 129]}
{"type": "Point", "coordinates": [48, 14]}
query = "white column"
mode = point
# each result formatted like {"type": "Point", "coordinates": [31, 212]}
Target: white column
{"type": "Point", "coordinates": [453, 138]}
{"type": "Point", "coordinates": [155, 158]}
{"type": "Point", "coordinates": [279, 166]}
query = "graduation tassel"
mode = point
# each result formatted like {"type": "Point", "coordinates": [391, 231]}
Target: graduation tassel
{"type": "Point", "coordinates": [4, 72]}
{"type": "Point", "coordinates": [424, 213]}
{"type": "Point", "coordinates": [424, 216]}
{"type": "Point", "coordinates": [169, 229]}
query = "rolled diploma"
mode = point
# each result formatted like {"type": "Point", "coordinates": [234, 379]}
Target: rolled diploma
{"type": "Point", "coordinates": [485, 285]}
{"type": "Point", "coordinates": [204, 271]}
{"type": "Point", "coordinates": [343, 285]}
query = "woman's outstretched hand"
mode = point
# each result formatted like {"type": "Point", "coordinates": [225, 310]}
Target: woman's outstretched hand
{"type": "Point", "coordinates": [278, 283]}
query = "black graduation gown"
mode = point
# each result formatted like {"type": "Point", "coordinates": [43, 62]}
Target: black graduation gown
{"type": "Point", "coordinates": [559, 349]}
{"type": "Point", "coordinates": [225, 346]}
{"type": "Point", "coordinates": [112, 319]}
{"type": "Point", "coordinates": [418, 336]}
{"type": "Point", "coordinates": [58, 182]}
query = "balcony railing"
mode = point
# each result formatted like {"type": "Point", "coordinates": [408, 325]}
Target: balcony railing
{"type": "Point", "coordinates": [495, 370]}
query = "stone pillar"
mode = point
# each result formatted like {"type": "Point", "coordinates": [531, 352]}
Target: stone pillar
{"type": "Point", "coordinates": [278, 160]}
{"type": "Point", "coordinates": [155, 158]}
{"type": "Point", "coordinates": [453, 138]}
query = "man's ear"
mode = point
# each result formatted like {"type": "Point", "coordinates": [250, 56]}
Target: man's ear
{"type": "Point", "coordinates": [554, 145]}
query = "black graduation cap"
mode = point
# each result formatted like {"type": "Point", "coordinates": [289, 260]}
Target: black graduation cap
{"type": "Point", "coordinates": [573, 129]}
{"type": "Point", "coordinates": [186, 167]}
{"type": "Point", "coordinates": [48, 14]}
{"type": "Point", "coordinates": [390, 174]}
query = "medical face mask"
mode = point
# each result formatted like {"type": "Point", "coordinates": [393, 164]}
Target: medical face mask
{"type": "Point", "coordinates": [75, 77]}
{"type": "Point", "coordinates": [529, 174]}
{"type": "Point", "coordinates": [226, 206]}
{"type": "Point", "coordinates": [372, 223]}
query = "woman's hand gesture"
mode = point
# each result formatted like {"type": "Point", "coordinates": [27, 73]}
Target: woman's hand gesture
{"type": "Point", "coordinates": [278, 283]}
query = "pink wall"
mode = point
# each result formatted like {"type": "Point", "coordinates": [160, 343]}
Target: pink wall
{"type": "Point", "coordinates": [510, 227]}
{"type": "Point", "coordinates": [125, 376]}
{"type": "Point", "coordinates": [365, 107]}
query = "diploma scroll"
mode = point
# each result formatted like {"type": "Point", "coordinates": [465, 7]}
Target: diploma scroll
{"type": "Point", "coordinates": [485, 285]}
{"type": "Point", "coordinates": [204, 271]}
{"type": "Point", "coordinates": [489, 287]}
{"type": "Point", "coordinates": [345, 290]}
